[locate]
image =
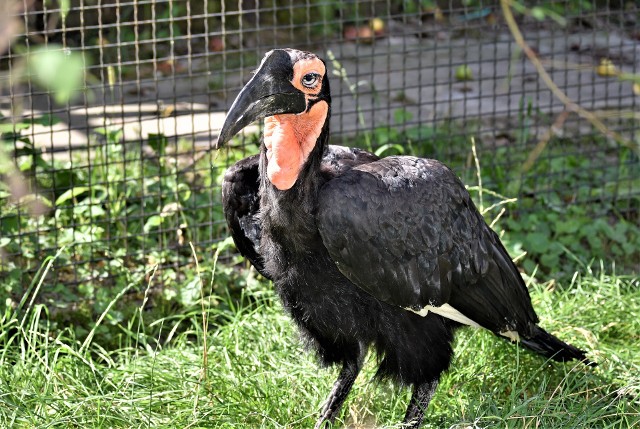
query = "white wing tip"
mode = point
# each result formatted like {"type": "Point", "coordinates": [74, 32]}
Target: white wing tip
{"type": "Point", "coordinates": [446, 310]}
{"type": "Point", "coordinates": [512, 335]}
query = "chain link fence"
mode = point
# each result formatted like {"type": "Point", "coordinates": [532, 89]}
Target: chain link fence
{"type": "Point", "coordinates": [109, 110]}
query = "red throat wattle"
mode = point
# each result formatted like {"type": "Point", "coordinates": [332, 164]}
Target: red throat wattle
{"type": "Point", "coordinates": [289, 140]}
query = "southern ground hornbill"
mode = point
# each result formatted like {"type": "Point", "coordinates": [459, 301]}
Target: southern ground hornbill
{"type": "Point", "coordinates": [366, 253]}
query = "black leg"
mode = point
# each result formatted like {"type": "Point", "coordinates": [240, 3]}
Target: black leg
{"type": "Point", "coordinates": [420, 399]}
{"type": "Point", "coordinates": [341, 389]}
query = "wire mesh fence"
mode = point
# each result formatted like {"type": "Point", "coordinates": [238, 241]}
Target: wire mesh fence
{"type": "Point", "coordinates": [119, 170]}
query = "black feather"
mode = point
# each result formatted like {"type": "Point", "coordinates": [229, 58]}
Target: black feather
{"type": "Point", "coordinates": [552, 347]}
{"type": "Point", "coordinates": [241, 202]}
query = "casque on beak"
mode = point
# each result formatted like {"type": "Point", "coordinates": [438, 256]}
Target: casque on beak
{"type": "Point", "coordinates": [268, 93]}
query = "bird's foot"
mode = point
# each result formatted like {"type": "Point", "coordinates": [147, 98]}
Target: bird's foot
{"type": "Point", "coordinates": [420, 399]}
{"type": "Point", "coordinates": [338, 394]}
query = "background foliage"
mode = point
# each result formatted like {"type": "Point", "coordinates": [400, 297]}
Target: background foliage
{"type": "Point", "coordinates": [123, 304]}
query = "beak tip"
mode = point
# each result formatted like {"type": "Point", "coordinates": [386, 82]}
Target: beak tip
{"type": "Point", "coordinates": [220, 141]}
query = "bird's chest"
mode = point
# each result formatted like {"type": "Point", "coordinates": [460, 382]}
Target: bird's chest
{"type": "Point", "coordinates": [304, 278]}
{"type": "Point", "coordinates": [293, 251]}
{"type": "Point", "coordinates": [315, 294]}
{"type": "Point", "coordinates": [325, 305]}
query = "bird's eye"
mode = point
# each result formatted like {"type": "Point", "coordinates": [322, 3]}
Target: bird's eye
{"type": "Point", "coordinates": [310, 80]}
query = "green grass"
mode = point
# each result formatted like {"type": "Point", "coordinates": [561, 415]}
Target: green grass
{"type": "Point", "coordinates": [258, 375]}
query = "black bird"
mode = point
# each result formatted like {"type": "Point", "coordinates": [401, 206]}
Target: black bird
{"type": "Point", "coordinates": [365, 253]}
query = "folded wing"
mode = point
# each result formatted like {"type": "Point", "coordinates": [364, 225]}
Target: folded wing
{"type": "Point", "coordinates": [405, 230]}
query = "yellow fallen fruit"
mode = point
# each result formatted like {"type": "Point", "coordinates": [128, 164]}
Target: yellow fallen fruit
{"type": "Point", "coordinates": [377, 25]}
{"type": "Point", "coordinates": [607, 68]}
{"type": "Point", "coordinates": [464, 73]}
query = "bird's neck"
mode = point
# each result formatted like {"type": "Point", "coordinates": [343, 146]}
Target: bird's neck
{"type": "Point", "coordinates": [287, 217]}
{"type": "Point", "coordinates": [289, 140]}
{"type": "Point", "coordinates": [308, 177]}
{"type": "Point", "coordinates": [280, 207]}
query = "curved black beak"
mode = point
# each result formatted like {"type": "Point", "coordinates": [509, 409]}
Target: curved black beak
{"type": "Point", "coordinates": [268, 93]}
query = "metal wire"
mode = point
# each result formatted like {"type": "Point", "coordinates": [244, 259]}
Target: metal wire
{"type": "Point", "coordinates": [137, 136]}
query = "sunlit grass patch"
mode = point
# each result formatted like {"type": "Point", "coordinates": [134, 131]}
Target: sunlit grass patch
{"type": "Point", "coordinates": [258, 374]}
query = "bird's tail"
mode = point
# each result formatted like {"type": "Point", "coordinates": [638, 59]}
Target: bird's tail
{"type": "Point", "coordinates": [554, 348]}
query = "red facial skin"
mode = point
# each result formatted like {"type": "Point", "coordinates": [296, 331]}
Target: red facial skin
{"type": "Point", "coordinates": [290, 138]}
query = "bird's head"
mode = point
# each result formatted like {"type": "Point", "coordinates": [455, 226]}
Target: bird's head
{"type": "Point", "coordinates": [290, 91]}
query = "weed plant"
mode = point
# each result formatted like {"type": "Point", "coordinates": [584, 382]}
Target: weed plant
{"type": "Point", "coordinates": [113, 216]}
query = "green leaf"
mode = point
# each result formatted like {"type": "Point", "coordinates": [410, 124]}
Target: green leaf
{"type": "Point", "coordinates": [537, 242]}
{"type": "Point", "coordinates": [184, 192]}
{"type": "Point", "coordinates": [153, 222]}
{"type": "Point", "coordinates": [528, 265]}
{"type": "Point", "coordinates": [619, 232]}
{"type": "Point", "coordinates": [605, 228]}
{"type": "Point", "coordinates": [567, 226]}
{"type": "Point", "coordinates": [25, 163]}
{"type": "Point", "coordinates": [190, 293]}
{"type": "Point", "coordinates": [71, 193]}
{"type": "Point", "coordinates": [47, 120]}
{"type": "Point", "coordinates": [91, 210]}
{"type": "Point", "coordinates": [30, 198]}
{"type": "Point", "coordinates": [550, 260]}
{"type": "Point", "coordinates": [65, 6]}
{"type": "Point", "coordinates": [514, 226]}
{"type": "Point", "coordinates": [398, 149]}
{"type": "Point", "coordinates": [402, 116]}
{"type": "Point", "coordinates": [59, 70]}
{"type": "Point", "coordinates": [538, 13]}
{"type": "Point", "coordinates": [14, 128]}
{"type": "Point", "coordinates": [112, 135]}
{"type": "Point", "coordinates": [224, 245]}
{"type": "Point", "coordinates": [384, 135]}
{"type": "Point", "coordinates": [596, 244]}
{"type": "Point", "coordinates": [420, 133]}
{"type": "Point", "coordinates": [463, 73]}
{"type": "Point", "coordinates": [158, 143]}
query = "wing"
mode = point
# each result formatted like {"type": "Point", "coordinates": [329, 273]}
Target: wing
{"type": "Point", "coordinates": [241, 200]}
{"type": "Point", "coordinates": [405, 230]}
{"type": "Point", "coordinates": [241, 203]}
